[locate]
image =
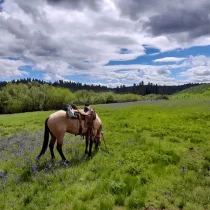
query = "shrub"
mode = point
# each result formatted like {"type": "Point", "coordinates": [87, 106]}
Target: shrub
{"type": "Point", "coordinates": [136, 199]}
{"type": "Point", "coordinates": [106, 203]}
{"type": "Point", "coordinates": [79, 205]}
{"type": "Point", "coordinates": [117, 187]}
{"type": "Point", "coordinates": [163, 97]}
{"type": "Point", "coordinates": [111, 98]}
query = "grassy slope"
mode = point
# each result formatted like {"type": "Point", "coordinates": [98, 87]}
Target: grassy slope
{"type": "Point", "coordinates": [200, 91]}
{"type": "Point", "coordinates": [149, 146]}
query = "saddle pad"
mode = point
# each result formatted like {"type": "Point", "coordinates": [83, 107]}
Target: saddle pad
{"type": "Point", "coordinates": [71, 112]}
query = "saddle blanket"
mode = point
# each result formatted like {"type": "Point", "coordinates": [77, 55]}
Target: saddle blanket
{"type": "Point", "coordinates": [71, 112]}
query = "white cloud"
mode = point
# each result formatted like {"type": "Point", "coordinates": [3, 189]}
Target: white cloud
{"type": "Point", "coordinates": [9, 68]}
{"type": "Point", "coordinates": [199, 60]}
{"type": "Point", "coordinates": [169, 59]}
{"type": "Point", "coordinates": [199, 71]}
{"type": "Point", "coordinates": [160, 74]}
{"type": "Point", "coordinates": [47, 77]}
{"type": "Point", "coordinates": [79, 37]}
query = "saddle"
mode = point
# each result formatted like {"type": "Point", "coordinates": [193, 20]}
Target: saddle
{"type": "Point", "coordinates": [87, 114]}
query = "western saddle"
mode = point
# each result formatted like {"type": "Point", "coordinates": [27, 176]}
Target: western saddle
{"type": "Point", "coordinates": [87, 114]}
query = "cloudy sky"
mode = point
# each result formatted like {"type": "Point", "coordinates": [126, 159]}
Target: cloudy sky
{"type": "Point", "coordinates": [110, 42]}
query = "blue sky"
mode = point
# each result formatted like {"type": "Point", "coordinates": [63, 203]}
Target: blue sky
{"type": "Point", "coordinates": [114, 42]}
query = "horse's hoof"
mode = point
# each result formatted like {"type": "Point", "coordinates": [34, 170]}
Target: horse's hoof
{"type": "Point", "coordinates": [65, 162]}
{"type": "Point", "coordinates": [37, 159]}
{"type": "Point", "coordinates": [52, 160]}
{"type": "Point", "coordinates": [97, 149]}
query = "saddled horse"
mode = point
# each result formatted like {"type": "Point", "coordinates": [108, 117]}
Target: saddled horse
{"type": "Point", "coordinates": [86, 123]}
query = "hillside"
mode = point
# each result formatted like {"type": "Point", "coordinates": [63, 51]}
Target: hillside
{"type": "Point", "coordinates": [200, 91]}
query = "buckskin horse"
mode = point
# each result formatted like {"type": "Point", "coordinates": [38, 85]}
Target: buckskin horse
{"type": "Point", "coordinates": [85, 122]}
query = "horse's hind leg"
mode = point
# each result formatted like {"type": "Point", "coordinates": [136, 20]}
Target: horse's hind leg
{"type": "Point", "coordinates": [59, 148]}
{"type": "Point", "coordinates": [51, 146]}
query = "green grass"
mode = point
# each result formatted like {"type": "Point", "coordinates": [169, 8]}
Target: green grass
{"type": "Point", "coordinates": [13, 123]}
{"type": "Point", "coordinates": [197, 92]}
{"type": "Point", "coordinates": [158, 157]}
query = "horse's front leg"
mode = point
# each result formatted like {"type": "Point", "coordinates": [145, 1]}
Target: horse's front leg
{"type": "Point", "coordinates": [87, 142]}
{"type": "Point", "coordinates": [90, 147]}
{"type": "Point", "coordinates": [97, 143]}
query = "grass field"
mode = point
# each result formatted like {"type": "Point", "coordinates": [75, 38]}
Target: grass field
{"type": "Point", "coordinates": [197, 92]}
{"type": "Point", "coordinates": [159, 158]}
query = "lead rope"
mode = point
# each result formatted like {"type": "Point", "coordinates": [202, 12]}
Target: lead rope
{"type": "Point", "coordinates": [106, 149]}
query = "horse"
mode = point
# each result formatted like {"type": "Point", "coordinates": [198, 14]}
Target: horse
{"type": "Point", "coordinates": [86, 123]}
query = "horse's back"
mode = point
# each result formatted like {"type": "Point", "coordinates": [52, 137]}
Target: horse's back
{"type": "Point", "coordinates": [59, 123]}
{"type": "Point", "coordinates": [58, 114]}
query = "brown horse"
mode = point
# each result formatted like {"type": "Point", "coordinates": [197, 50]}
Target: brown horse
{"type": "Point", "coordinates": [58, 123]}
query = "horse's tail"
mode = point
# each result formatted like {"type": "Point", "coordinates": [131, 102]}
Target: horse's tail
{"type": "Point", "coordinates": [46, 140]}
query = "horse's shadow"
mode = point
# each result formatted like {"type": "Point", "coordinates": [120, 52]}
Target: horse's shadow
{"type": "Point", "coordinates": [74, 161]}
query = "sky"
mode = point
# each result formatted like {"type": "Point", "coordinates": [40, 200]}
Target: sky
{"type": "Point", "coordinates": [107, 42]}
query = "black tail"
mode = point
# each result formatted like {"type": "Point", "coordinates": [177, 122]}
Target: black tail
{"type": "Point", "coordinates": [46, 140]}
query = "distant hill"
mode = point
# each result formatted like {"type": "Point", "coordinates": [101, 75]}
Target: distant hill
{"type": "Point", "coordinates": [199, 91]}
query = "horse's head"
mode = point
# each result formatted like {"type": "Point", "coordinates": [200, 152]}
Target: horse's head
{"type": "Point", "coordinates": [98, 138]}
{"type": "Point", "coordinates": [97, 130]}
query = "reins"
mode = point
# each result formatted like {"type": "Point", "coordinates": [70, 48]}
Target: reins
{"type": "Point", "coordinates": [106, 149]}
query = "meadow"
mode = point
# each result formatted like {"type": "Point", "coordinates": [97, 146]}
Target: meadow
{"type": "Point", "coordinates": [157, 157]}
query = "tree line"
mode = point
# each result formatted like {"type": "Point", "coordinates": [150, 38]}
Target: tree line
{"type": "Point", "coordinates": [34, 96]}
{"type": "Point", "coordinates": [141, 88]}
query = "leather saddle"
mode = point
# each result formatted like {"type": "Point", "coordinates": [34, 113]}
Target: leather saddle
{"type": "Point", "coordinates": [87, 114]}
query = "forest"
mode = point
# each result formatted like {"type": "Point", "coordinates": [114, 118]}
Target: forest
{"type": "Point", "coordinates": [27, 95]}
{"type": "Point", "coordinates": [140, 88]}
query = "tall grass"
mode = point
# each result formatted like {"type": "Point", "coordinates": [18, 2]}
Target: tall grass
{"type": "Point", "coordinates": [158, 157]}
{"type": "Point", "coordinates": [197, 92]}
